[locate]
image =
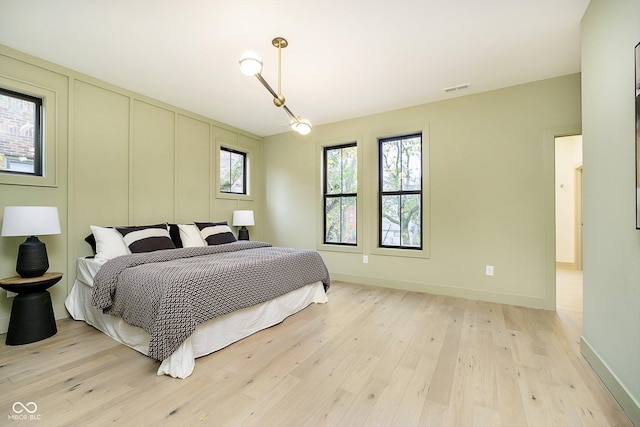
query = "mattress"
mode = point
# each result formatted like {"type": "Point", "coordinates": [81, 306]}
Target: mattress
{"type": "Point", "coordinates": [208, 337]}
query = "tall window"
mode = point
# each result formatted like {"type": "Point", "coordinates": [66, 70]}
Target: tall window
{"type": "Point", "coordinates": [400, 192]}
{"type": "Point", "coordinates": [233, 171]}
{"type": "Point", "coordinates": [340, 194]}
{"type": "Point", "coordinates": [20, 133]}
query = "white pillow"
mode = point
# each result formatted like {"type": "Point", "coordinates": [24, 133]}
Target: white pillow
{"type": "Point", "coordinates": [109, 243]}
{"type": "Point", "coordinates": [190, 236]}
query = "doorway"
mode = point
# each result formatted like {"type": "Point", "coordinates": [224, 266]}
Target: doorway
{"type": "Point", "coordinates": [568, 186]}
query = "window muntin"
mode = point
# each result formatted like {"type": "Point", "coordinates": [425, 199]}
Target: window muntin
{"type": "Point", "coordinates": [400, 192]}
{"type": "Point", "coordinates": [233, 171]}
{"type": "Point", "coordinates": [20, 133]}
{"type": "Point", "coordinates": [340, 182]}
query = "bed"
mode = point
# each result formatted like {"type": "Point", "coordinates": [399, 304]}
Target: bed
{"type": "Point", "coordinates": [175, 330]}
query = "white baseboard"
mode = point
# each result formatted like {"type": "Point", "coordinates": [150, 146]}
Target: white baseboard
{"type": "Point", "coordinates": [474, 294]}
{"type": "Point", "coordinates": [567, 265]}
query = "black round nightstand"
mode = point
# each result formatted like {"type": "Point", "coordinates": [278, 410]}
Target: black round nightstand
{"type": "Point", "coordinates": [32, 316]}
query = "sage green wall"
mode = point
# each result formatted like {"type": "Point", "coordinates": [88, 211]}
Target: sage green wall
{"type": "Point", "coordinates": [611, 330]}
{"type": "Point", "coordinates": [120, 158]}
{"type": "Point", "coordinates": [48, 191]}
{"type": "Point", "coordinates": [490, 183]}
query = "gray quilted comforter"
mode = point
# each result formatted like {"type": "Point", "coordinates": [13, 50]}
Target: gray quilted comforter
{"type": "Point", "coordinates": [169, 292]}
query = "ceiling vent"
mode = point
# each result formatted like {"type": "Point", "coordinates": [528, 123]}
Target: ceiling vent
{"type": "Point", "coordinates": [454, 88]}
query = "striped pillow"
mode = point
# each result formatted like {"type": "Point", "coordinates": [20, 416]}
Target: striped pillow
{"type": "Point", "coordinates": [216, 233]}
{"type": "Point", "coordinates": [147, 238]}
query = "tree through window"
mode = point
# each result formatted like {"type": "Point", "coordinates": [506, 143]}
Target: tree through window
{"type": "Point", "coordinates": [233, 171]}
{"type": "Point", "coordinates": [400, 192]}
{"type": "Point", "coordinates": [340, 194]}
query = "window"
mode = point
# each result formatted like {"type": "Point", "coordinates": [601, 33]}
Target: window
{"type": "Point", "coordinates": [400, 192]}
{"type": "Point", "coordinates": [233, 171]}
{"type": "Point", "coordinates": [340, 194]}
{"type": "Point", "coordinates": [20, 133]}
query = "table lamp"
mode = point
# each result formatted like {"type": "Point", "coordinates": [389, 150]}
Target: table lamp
{"type": "Point", "coordinates": [31, 221]}
{"type": "Point", "coordinates": [242, 219]}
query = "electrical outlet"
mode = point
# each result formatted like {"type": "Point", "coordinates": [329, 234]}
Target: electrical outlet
{"type": "Point", "coordinates": [365, 259]}
{"type": "Point", "coordinates": [488, 270]}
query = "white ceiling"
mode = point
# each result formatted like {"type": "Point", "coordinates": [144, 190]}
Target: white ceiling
{"type": "Point", "coordinates": [345, 59]}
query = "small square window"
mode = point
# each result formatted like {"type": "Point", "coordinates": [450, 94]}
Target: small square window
{"type": "Point", "coordinates": [20, 133]}
{"type": "Point", "coordinates": [233, 171]}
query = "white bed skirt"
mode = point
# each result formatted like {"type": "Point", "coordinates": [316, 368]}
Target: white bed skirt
{"type": "Point", "coordinates": [207, 338]}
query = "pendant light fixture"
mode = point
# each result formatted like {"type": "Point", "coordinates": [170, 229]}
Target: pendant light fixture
{"type": "Point", "coordinates": [251, 65]}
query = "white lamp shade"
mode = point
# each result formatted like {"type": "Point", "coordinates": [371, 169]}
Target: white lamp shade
{"type": "Point", "coordinates": [30, 221]}
{"type": "Point", "coordinates": [243, 218]}
{"type": "Point", "coordinates": [250, 63]}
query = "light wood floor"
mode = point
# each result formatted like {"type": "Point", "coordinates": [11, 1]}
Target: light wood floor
{"type": "Point", "coordinates": [371, 356]}
{"type": "Point", "coordinates": [569, 289]}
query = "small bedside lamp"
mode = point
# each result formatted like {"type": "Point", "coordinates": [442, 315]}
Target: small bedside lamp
{"type": "Point", "coordinates": [242, 219]}
{"type": "Point", "coordinates": [29, 221]}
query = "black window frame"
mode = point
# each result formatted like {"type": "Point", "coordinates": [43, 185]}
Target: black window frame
{"type": "Point", "coordinates": [326, 195]}
{"type": "Point", "coordinates": [38, 138]}
{"type": "Point", "coordinates": [401, 192]}
{"type": "Point", "coordinates": [244, 172]}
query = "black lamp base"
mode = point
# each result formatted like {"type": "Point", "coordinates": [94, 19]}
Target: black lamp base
{"type": "Point", "coordinates": [243, 233]}
{"type": "Point", "coordinates": [32, 258]}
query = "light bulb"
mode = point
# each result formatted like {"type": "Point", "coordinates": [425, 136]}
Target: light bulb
{"type": "Point", "coordinates": [302, 126]}
{"type": "Point", "coordinates": [250, 63]}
